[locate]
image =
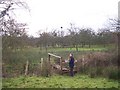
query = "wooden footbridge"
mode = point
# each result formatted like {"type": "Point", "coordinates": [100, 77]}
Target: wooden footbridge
{"type": "Point", "coordinates": [62, 65]}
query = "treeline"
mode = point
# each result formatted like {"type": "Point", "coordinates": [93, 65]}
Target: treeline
{"type": "Point", "coordinates": [14, 36]}
{"type": "Point", "coordinates": [77, 37]}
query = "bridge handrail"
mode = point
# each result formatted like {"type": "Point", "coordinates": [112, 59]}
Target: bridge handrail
{"type": "Point", "coordinates": [54, 55]}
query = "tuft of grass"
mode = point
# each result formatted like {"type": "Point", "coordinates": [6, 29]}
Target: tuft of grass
{"type": "Point", "coordinates": [58, 81]}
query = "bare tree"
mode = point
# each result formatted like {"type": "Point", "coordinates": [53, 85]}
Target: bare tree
{"type": "Point", "coordinates": [44, 40]}
{"type": "Point", "coordinates": [7, 7]}
{"type": "Point", "coordinates": [73, 30]}
{"type": "Point", "coordinates": [12, 33]}
{"type": "Point", "coordinates": [114, 24]}
{"type": "Point", "coordinates": [10, 5]}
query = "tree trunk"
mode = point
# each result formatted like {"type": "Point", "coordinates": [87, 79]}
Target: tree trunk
{"type": "Point", "coordinates": [77, 48]}
{"type": "Point", "coordinates": [82, 45]}
{"type": "Point", "coordinates": [89, 45]}
{"type": "Point", "coordinates": [46, 48]}
{"type": "Point", "coordinates": [104, 45]}
{"type": "Point", "coordinates": [118, 48]}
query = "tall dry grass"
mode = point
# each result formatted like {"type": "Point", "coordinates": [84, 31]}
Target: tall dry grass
{"type": "Point", "coordinates": [100, 64]}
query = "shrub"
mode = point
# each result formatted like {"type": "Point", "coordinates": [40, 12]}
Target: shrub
{"type": "Point", "coordinates": [113, 75]}
{"type": "Point", "coordinates": [34, 69]}
{"type": "Point", "coordinates": [100, 64]}
{"type": "Point", "coordinates": [111, 72]}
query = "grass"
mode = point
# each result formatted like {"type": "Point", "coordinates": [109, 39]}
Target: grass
{"type": "Point", "coordinates": [58, 81]}
{"type": "Point", "coordinates": [64, 52]}
{"type": "Point", "coordinates": [35, 54]}
{"type": "Point", "coordinates": [74, 49]}
{"type": "Point", "coordinates": [17, 59]}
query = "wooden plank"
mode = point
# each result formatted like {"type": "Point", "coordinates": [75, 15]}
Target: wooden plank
{"type": "Point", "coordinates": [65, 69]}
{"type": "Point", "coordinates": [54, 55]}
{"type": "Point", "coordinates": [57, 66]}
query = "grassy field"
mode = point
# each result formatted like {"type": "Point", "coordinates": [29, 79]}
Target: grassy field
{"type": "Point", "coordinates": [37, 53]}
{"type": "Point", "coordinates": [17, 60]}
{"type": "Point", "coordinates": [58, 81]}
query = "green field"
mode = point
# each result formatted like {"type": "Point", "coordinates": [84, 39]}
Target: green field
{"type": "Point", "coordinates": [34, 54]}
{"type": "Point", "coordinates": [59, 81]}
{"type": "Point", "coordinates": [14, 68]}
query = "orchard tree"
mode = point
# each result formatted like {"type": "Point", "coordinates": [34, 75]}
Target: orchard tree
{"type": "Point", "coordinates": [12, 34]}
{"type": "Point", "coordinates": [73, 34]}
{"type": "Point", "coordinates": [45, 40]}
{"type": "Point", "coordinates": [11, 31]}
{"type": "Point", "coordinates": [86, 36]}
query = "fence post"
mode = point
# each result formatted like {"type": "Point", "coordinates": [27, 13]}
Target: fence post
{"type": "Point", "coordinates": [26, 68]}
{"type": "Point", "coordinates": [83, 62]}
{"type": "Point", "coordinates": [50, 66]}
{"type": "Point", "coordinates": [49, 58]}
{"type": "Point", "coordinates": [77, 66]}
{"type": "Point", "coordinates": [61, 63]}
{"type": "Point", "coordinates": [41, 63]}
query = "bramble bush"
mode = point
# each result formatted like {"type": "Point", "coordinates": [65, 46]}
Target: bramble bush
{"type": "Point", "coordinates": [100, 64]}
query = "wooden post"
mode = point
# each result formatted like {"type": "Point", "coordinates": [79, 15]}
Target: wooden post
{"type": "Point", "coordinates": [61, 63]}
{"type": "Point", "coordinates": [41, 63]}
{"type": "Point", "coordinates": [49, 58]}
{"type": "Point", "coordinates": [26, 68]}
{"type": "Point", "coordinates": [83, 62]}
{"type": "Point", "coordinates": [49, 63]}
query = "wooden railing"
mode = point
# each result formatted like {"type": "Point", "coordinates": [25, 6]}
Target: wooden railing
{"type": "Point", "coordinates": [50, 54]}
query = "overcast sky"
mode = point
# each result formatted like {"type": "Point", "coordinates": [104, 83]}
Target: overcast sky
{"type": "Point", "coordinates": [52, 14]}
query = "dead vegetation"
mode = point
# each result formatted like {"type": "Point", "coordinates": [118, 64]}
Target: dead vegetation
{"type": "Point", "coordinates": [99, 64]}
